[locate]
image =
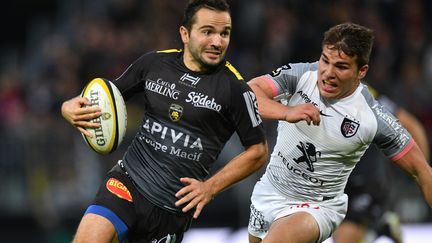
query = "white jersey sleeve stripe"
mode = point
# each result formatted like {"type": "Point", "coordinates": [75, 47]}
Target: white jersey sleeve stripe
{"type": "Point", "coordinates": [252, 108]}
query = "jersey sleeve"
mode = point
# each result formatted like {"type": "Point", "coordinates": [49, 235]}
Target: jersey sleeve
{"type": "Point", "coordinates": [130, 82]}
{"type": "Point", "coordinates": [284, 79]}
{"type": "Point", "coordinates": [392, 138]}
{"type": "Point", "coordinates": [384, 100]}
{"type": "Point", "coordinates": [244, 114]}
{"type": "Point", "coordinates": [389, 104]}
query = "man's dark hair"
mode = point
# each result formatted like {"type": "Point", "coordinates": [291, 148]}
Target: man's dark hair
{"type": "Point", "coordinates": [352, 39]}
{"type": "Point", "coordinates": [195, 5]}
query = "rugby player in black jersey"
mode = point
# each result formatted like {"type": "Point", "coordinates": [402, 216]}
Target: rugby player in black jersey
{"type": "Point", "coordinates": [194, 102]}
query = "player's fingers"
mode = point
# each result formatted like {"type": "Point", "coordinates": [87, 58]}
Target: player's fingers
{"type": "Point", "coordinates": [316, 118]}
{"type": "Point", "coordinates": [92, 109]}
{"type": "Point", "coordinates": [186, 197]}
{"type": "Point", "coordinates": [88, 110]}
{"type": "Point", "coordinates": [86, 124]}
{"type": "Point", "coordinates": [198, 210]}
{"type": "Point", "coordinates": [313, 115]}
{"type": "Point", "coordinates": [87, 116]}
{"type": "Point", "coordinates": [84, 101]}
{"type": "Point", "coordinates": [85, 132]}
{"type": "Point", "coordinates": [184, 191]}
{"type": "Point", "coordinates": [193, 203]}
{"type": "Point", "coordinates": [81, 102]}
{"type": "Point", "coordinates": [307, 119]}
{"type": "Point", "coordinates": [186, 180]}
{"type": "Point", "coordinates": [181, 201]}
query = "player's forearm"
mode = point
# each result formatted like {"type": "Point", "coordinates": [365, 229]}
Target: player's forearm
{"type": "Point", "coordinates": [239, 168]}
{"type": "Point", "coordinates": [272, 110]}
{"type": "Point", "coordinates": [425, 183]}
{"type": "Point", "coordinates": [423, 177]}
{"type": "Point", "coordinates": [267, 107]}
{"type": "Point", "coordinates": [415, 164]}
{"type": "Point", "coordinates": [417, 130]}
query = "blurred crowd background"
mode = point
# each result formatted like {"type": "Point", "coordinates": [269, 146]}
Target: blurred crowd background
{"type": "Point", "coordinates": [51, 48]}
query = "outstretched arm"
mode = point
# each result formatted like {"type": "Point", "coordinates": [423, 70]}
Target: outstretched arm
{"type": "Point", "coordinates": [413, 125]}
{"type": "Point", "coordinates": [415, 164]}
{"type": "Point", "coordinates": [270, 109]}
{"type": "Point", "coordinates": [415, 161]}
{"type": "Point", "coordinates": [78, 113]}
{"type": "Point", "coordinates": [197, 193]}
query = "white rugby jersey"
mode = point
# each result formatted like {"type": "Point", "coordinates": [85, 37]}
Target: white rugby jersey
{"type": "Point", "coordinates": [314, 162]}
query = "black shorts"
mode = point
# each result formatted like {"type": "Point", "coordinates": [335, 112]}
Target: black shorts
{"type": "Point", "coordinates": [366, 203]}
{"type": "Point", "coordinates": [134, 217]}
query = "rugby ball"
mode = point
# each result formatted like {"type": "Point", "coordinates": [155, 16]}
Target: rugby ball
{"type": "Point", "coordinates": [113, 121]}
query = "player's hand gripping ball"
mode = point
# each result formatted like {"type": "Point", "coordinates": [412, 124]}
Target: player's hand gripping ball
{"type": "Point", "coordinates": [113, 121]}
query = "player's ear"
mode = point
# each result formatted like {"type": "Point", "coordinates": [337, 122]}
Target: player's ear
{"type": "Point", "coordinates": [184, 34]}
{"type": "Point", "coordinates": [363, 70]}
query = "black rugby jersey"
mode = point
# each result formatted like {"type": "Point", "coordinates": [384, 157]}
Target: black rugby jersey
{"type": "Point", "coordinates": [188, 117]}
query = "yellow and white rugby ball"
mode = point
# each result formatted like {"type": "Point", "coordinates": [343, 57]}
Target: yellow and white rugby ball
{"type": "Point", "coordinates": [113, 121]}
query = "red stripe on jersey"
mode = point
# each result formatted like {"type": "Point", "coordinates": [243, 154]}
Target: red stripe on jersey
{"type": "Point", "coordinates": [272, 85]}
{"type": "Point", "coordinates": [404, 151]}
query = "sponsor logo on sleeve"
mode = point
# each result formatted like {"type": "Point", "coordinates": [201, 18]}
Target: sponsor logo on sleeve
{"type": "Point", "coordinates": [117, 188]}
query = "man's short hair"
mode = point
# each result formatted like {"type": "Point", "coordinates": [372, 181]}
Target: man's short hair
{"type": "Point", "coordinates": [352, 39]}
{"type": "Point", "coordinates": [195, 5]}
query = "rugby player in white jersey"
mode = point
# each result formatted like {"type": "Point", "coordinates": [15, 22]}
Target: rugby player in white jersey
{"type": "Point", "coordinates": [327, 120]}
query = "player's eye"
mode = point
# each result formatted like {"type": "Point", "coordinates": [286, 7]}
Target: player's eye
{"type": "Point", "coordinates": [225, 34]}
{"type": "Point", "coordinates": [341, 67]}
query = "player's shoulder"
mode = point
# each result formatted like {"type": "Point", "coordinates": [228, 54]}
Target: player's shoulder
{"type": "Point", "coordinates": [373, 106]}
{"type": "Point", "coordinates": [168, 52]}
{"type": "Point", "coordinates": [163, 54]}
{"type": "Point", "coordinates": [156, 56]}
{"type": "Point", "coordinates": [308, 66]}
{"type": "Point", "coordinates": [369, 94]}
{"type": "Point", "coordinates": [294, 69]}
{"type": "Point", "coordinates": [231, 72]}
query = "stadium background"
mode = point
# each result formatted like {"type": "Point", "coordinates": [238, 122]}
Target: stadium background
{"type": "Point", "coordinates": [51, 48]}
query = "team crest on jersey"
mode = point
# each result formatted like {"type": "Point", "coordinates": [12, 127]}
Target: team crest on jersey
{"type": "Point", "coordinates": [175, 112]}
{"type": "Point", "coordinates": [276, 72]}
{"type": "Point", "coordinates": [349, 127]}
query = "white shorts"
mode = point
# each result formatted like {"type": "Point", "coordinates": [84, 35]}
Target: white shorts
{"type": "Point", "coordinates": [269, 205]}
